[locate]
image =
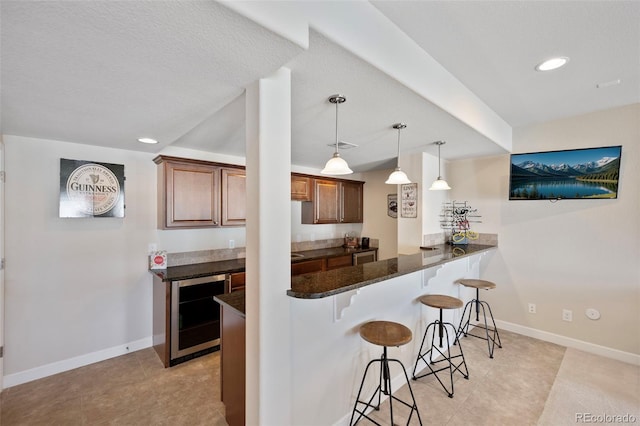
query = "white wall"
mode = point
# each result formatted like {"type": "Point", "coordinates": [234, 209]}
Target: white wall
{"type": "Point", "coordinates": [377, 223]}
{"type": "Point", "coordinates": [571, 254]}
{"type": "Point", "coordinates": [73, 286]}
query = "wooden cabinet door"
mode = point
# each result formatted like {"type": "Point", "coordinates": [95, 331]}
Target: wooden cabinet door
{"type": "Point", "coordinates": [326, 201]}
{"type": "Point", "coordinates": [191, 195]}
{"type": "Point", "coordinates": [351, 202]}
{"type": "Point", "coordinates": [334, 201]}
{"type": "Point", "coordinates": [236, 281]}
{"type": "Point", "coordinates": [301, 188]}
{"type": "Point", "coordinates": [234, 195]}
{"type": "Point", "coordinates": [307, 267]}
{"type": "Point", "coordinates": [339, 262]}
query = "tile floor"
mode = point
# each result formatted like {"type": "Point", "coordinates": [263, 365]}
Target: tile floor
{"type": "Point", "coordinates": [529, 382]}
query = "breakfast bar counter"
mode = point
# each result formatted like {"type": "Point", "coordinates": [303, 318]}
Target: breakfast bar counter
{"type": "Point", "coordinates": [328, 308]}
{"type": "Point", "coordinates": [329, 283]}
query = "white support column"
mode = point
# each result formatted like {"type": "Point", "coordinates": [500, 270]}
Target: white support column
{"type": "Point", "coordinates": [268, 144]}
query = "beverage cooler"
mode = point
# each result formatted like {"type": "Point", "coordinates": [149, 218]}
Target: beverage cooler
{"type": "Point", "coordinates": [195, 317]}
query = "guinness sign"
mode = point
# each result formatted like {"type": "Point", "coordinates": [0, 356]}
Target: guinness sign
{"type": "Point", "coordinates": [91, 189]}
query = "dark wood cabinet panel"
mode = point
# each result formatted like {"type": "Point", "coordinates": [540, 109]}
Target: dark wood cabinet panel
{"type": "Point", "coordinates": [236, 281]}
{"type": "Point", "coordinates": [200, 194]}
{"type": "Point", "coordinates": [307, 267]}
{"type": "Point", "coordinates": [351, 202]}
{"type": "Point", "coordinates": [234, 197]}
{"type": "Point", "coordinates": [334, 201]}
{"type": "Point", "coordinates": [301, 188]}
{"type": "Point", "coordinates": [161, 319]}
{"type": "Point", "coordinates": [327, 201]}
{"type": "Point", "coordinates": [188, 194]}
{"type": "Point", "coordinates": [232, 365]}
{"type": "Point", "coordinates": [339, 262]}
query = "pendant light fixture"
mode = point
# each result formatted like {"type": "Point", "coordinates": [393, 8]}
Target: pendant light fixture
{"type": "Point", "coordinates": [398, 177]}
{"type": "Point", "coordinates": [439, 184]}
{"type": "Point", "coordinates": [336, 164]}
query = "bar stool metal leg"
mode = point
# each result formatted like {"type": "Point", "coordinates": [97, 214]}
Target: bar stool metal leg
{"type": "Point", "coordinates": [384, 387]}
{"type": "Point", "coordinates": [491, 335]}
{"type": "Point", "coordinates": [447, 358]}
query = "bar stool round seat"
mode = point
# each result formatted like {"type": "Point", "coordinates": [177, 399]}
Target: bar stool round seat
{"type": "Point", "coordinates": [479, 284]}
{"type": "Point", "coordinates": [441, 301]}
{"type": "Point", "coordinates": [385, 334]}
{"type": "Point", "coordinates": [426, 353]}
{"type": "Point", "coordinates": [491, 334]}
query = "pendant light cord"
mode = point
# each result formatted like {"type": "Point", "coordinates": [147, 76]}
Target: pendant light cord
{"type": "Point", "coordinates": [337, 127]}
{"type": "Point", "coordinates": [398, 159]}
{"type": "Point", "coordinates": [439, 175]}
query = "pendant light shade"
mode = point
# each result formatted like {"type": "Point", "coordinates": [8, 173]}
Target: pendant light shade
{"type": "Point", "coordinates": [336, 164]}
{"type": "Point", "coordinates": [398, 177]}
{"type": "Point", "coordinates": [439, 184]}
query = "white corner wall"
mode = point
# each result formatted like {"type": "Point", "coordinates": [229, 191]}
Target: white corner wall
{"type": "Point", "coordinates": [78, 290]}
{"type": "Point", "coordinates": [377, 223]}
{"type": "Point", "coordinates": [74, 287]}
{"type": "Point", "coordinates": [571, 254]}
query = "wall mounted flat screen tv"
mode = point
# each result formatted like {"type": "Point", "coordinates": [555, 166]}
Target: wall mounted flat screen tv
{"type": "Point", "coordinates": [590, 173]}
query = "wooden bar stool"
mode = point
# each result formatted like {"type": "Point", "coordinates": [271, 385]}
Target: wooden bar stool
{"type": "Point", "coordinates": [490, 334]}
{"type": "Point", "coordinates": [441, 301]}
{"type": "Point", "coordinates": [384, 333]}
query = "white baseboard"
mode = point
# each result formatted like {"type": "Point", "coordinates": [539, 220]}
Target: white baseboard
{"type": "Point", "coordinates": [569, 342]}
{"type": "Point", "coordinates": [71, 363]}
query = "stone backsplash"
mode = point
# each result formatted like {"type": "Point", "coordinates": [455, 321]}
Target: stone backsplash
{"type": "Point", "coordinates": [204, 256]}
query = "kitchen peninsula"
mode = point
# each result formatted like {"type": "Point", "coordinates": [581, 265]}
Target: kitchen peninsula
{"type": "Point", "coordinates": [329, 307]}
{"type": "Point", "coordinates": [186, 320]}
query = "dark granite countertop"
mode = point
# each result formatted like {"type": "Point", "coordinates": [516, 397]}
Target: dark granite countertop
{"type": "Point", "coordinates": [196, 270]}
{"type": "Point", "coordinates": [234, 300]}
{"type": "Point", "coordinates": [329, 283]}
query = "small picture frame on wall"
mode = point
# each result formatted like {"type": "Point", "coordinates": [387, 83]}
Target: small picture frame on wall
{"type": "Point", "coordinates": [392, 205]}
{"type": "Point", "coordinates": [409, 200]}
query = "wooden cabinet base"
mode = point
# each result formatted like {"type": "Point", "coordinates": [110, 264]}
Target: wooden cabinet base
{"type": "Point", "coordinates": [232, 365]}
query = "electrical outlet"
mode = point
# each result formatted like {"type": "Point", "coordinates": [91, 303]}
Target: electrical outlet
{"type": "Point", "coordinates": [532, 308]}
{"type": "Point", "coordinates": [567, 315]}
{"type": "Point", "coordinates": [592, 314]}
{"type": "Point", "coordinates": [232, 244]}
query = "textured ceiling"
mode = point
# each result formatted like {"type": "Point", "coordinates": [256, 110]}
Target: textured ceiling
{"type": "Point", "coordinates": [493, 46]}
{"type": "Point", "coordinates": [108, 72]}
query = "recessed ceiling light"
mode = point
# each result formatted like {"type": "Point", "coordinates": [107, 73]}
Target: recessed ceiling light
{"type": "Point", "coordinates": [147, 140]}
{"type": "Point", "coordinates": [552, 64]}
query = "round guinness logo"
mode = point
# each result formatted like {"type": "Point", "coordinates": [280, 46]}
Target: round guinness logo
{"type": "Point", "coordinates": [93, 188]}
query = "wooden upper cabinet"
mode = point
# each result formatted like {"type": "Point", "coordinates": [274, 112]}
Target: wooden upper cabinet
{"type": "Point", "coordinates": [351, 199]}
{"type": "Point", "coordinates": [188, 194]}
{"type": "Point", "coordinates": [200, 194]}
{"type": "Point", "coordinates": [334, 201]}
{"type": "Point", "coordinates": [327, 205]}
{"type": "Point", "coordinates": [301, 189]}
{"type": "Point", "coordinates": [234, 197]}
